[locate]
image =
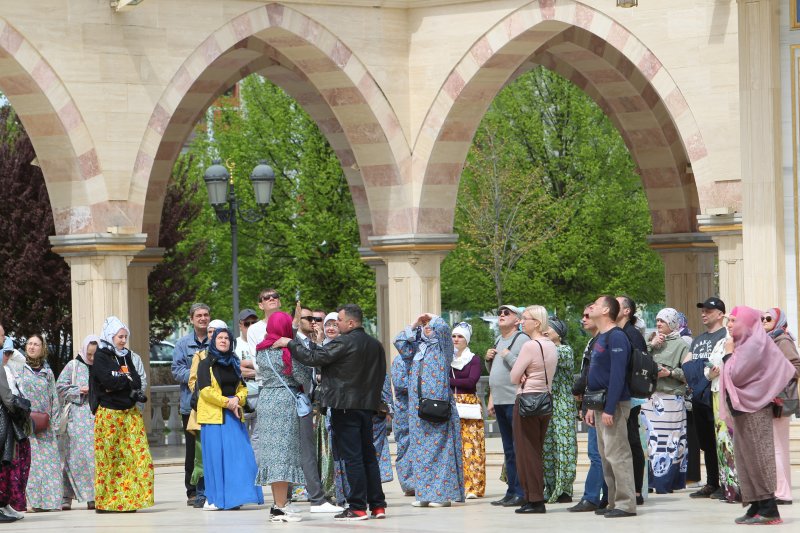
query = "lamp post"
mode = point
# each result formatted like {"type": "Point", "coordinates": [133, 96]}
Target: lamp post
{"type": "Point", "coordinates": [222, 197]}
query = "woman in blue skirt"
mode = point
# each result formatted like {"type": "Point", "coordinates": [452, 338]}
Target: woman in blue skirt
{"type": "Point", "coordinates": [229, 464]}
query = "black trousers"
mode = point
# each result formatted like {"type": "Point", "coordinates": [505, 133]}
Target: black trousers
{"type": "Point", "coordinates": [637, 453]}
{"type": "Point", "coordinates": [704, 429]}
{"type": "Point", "coordinates": [693, 468]}
{"type": "Point", "coordinates": [352, 433]}
{"type": "Point", "coordinates": [188, 465]}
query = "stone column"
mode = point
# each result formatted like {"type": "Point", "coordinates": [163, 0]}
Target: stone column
{"type": "Point", "coordinates": [689, 261]}
{"type": "Point", "coordinates": [139, 311]}
{"type": "Point", "coordinates": [99, 277]}
{"type": "Point", "coordinates": [762, 200]}
{"type": "Point", "coordinates": [412, 269]}
{"type": "Point", "coordinates": [381, 296]}
{"type": "Point", "coordinates": [726, 232]}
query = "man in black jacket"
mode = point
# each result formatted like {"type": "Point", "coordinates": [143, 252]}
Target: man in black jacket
{"type": "Point", "coordinates": [353, 368]}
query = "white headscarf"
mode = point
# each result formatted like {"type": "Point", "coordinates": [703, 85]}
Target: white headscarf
{"type": "Point", "coordinates": [218, 324]}
{"type": "Point", "coordinates": [671, 319]}
{"type": "Point", "coordinates": [328, 318]}
{"type": "Point", "coordinates": [111, 327]}
{"type": "Point", "coordinates": [466, 356]}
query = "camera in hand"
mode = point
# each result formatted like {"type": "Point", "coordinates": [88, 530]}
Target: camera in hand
{"type": "Point", "coordinates": [138, 396]}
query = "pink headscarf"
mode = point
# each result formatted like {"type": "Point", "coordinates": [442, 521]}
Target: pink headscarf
{"type": "Point", "coordinates": [279, 324]}
{"type": "Point", "coordinates": [757, 371]}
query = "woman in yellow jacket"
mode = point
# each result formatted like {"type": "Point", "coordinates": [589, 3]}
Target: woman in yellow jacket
{"type": "Point", "coordinates": [229, 464]}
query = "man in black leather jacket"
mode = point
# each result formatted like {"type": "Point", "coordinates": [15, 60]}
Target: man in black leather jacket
{"type": "Point", "coordinates": [353, 369]}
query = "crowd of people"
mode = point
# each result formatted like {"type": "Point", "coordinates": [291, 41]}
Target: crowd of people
{"type": "Point", "coordinates": [302, 403]}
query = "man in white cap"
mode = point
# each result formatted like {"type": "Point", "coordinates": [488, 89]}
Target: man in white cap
{"type": "Point", "coordinates": [499, 360]}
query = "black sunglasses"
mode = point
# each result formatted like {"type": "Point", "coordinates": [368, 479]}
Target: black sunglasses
{"type": "Point", "coordinates": [766, 318]}
{"type": "Point", "coordinates": [586, 315]}
{"type": "Point", "coordinates": [312, 318]}
{"type": "Point", "coordinates": [505, 312]}
{"type": "Point", "coordinates": [249, 323]}
{"type": "Point", "coordinates": [271, 296]}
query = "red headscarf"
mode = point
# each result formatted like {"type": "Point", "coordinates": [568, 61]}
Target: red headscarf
{"type": "Point", "coordinates": [757, 371]}
{"type": "Point", "coordinates": [279, 324]}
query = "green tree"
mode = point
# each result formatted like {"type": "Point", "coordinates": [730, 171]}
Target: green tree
{"type": "Point", "coordinates": [307, 244]}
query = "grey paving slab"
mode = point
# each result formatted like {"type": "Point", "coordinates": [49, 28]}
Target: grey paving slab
{"type": "Point", "coordinates": [674, 513]}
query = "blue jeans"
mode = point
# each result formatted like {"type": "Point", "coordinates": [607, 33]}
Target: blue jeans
{"type": "Point", "coordinates": [594, 478]}
{"type": "Point", "coordinates": [504, 416]}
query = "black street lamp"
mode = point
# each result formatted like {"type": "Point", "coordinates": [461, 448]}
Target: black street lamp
{"type": "Point", "coordinates": [222, 197]}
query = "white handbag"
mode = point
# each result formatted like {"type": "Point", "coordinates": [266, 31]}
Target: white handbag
{"type": "Point", "coordinates": [468, 411]}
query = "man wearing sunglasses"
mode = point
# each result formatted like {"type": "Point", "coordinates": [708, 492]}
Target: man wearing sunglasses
{"type": "Point", "coordinates": [269, 301]}
{"type": "Point", "coordinates": [499, 361]}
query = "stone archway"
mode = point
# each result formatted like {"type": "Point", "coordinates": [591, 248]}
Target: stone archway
{"type": "Point", "coordinates": [64, 148]}
{"type": "Point", "coordinates": [313, 66]}
{"type": "Point", "coordinates": [626, 80]}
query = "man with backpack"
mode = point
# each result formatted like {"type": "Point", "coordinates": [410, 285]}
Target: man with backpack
{"type": "Point", "coordinates": [499, 361]}
{"type": "Point", "coordinates": [609, 403]}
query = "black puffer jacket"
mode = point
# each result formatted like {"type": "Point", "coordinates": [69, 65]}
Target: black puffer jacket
{"type": "Point", "coordinates": [354, 368]}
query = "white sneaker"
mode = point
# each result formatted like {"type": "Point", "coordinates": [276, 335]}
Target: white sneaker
{"type": "Point", "coordinates": [418, 503]}
{"type": "Point", "coordinates": [471, 496]}
{"type": "Point", "coordinates": [439, 504]}
{"type": "Point", "coordinates": [13, 513]}
{"type": "Point", "coordinates": [326, 508]}
{"type": "Point", "coordinates": [277, 515]}
{"type": "Point", "coordinates": [210, 507]}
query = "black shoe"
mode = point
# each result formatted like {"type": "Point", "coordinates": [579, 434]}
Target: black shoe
{"type": "Point", "coordinates": [602, 510]}
{"type": "Point", "coordinates": [584, 506]}
{"type": "Point", "coordinates": [564, 498]}
{"type": "Point", "coordinates": [704, 492]}
{"type": "Point", "coordinates": [5, 518]}
{"type": "Point", "coordinates": [640, 500]}
{"type": "Point", "coordinates": [199, 502]}
{"type": "Point", "coordinates": [618, 513]}
{"type": "Point", "coordinates": [783, 502]}
{"type": "Point", "coordinates": [515, 501]}
{"type": "Point", "coordinates": [501, 501]}
{"type": "Point", "coordinates": [531, 508]}
{"type": "Point", "coordinates": [603, 504]}
{"type": "Point", "coordinates": [190, 501]}
{"type": "Point", "coordinates": [718, 494]}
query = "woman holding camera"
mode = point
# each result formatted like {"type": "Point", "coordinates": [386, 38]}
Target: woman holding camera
{"type": "Point", "coordinates": [665, 411]}
{"type": "Point", "coordinates": [123, 465]}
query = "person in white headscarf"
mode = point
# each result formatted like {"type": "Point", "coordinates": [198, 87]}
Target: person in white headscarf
{"type": "Point", "coordinates": [665, 411]}
{"type": "Point", "coordinates": [123, 464]}
{"type": "Point", "coordinates": [465, 372]}
{"type": "Point", "coordinates": [330, 327]}
{"type": "Point", "coordinates": [76, 437]}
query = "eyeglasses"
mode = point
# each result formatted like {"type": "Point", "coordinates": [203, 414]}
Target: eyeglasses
{"type": "Point", "coordinates": [249, 323]}
{"type": "Point", "coordinates": [766, 319]}
{"type": "Point", "coordinates": [271, 296]}
{"type": "Point", "coordinates": [505, 312]}
{"type": "Point", "coordinates": [312, 318]}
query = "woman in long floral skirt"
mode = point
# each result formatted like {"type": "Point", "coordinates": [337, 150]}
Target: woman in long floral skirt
{"type": "Point", "coordinates": [561, 442]}
{"type": "Point", "coordinates": [402, 461]}
{"type": "Point", "coordinates": [37, 383]}
{"type": "Point", "coordinates": [465, 372]}
{"type": "Point", "coordinates": [123, 465]}
{"type": "Point", "coordinates": [77, 444]}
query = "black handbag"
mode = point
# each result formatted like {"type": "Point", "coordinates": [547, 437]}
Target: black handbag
{"type": "Point", "coordinates": [595, 399]}
{"type": "Point", "coordinates": [430, 409]}
{"type": "Point", "coordinates": [536, 403]}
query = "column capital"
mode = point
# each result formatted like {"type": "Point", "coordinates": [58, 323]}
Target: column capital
{"type": "Point", "coordinates": [94, 244]}
{"type": "Point", "coordinates": [720, 224]}
{"type": "Point", "coordinates": [149, 257]}
{"type": "Point", "coordinates": [413, 242]}
{"type": "Point", "coordinates": [682, 242]}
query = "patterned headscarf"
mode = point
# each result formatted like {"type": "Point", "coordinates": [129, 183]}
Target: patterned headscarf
{"type": "Point", "coordinates": [224, 358]}
{"type": "Point", "coordinates": [779, 317]}
{"type": "Point", "coordinates": [670, 317]}
{"type": "Point", "coordinates": [683, 325]}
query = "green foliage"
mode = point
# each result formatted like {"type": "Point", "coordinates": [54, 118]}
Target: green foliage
{"type": "Point", "coordinates": [307, 244]}
{"type": "Point", "coordinates": [586, 224]}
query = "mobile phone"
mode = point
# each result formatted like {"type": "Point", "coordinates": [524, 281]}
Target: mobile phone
{"type": "Point", "coordinates": [708, 364]}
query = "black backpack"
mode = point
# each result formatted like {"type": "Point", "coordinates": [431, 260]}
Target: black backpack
{"type": "Point", "coordinates": [642, 372]}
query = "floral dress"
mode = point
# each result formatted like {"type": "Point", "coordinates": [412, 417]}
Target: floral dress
{"type": "Point", "coordinates": [277, 447]}
{"type": "Point", "coordinates": [45, 486]}
{"type": "Point", "coordinates": [400, 424]}
{"type": "Point", "coordinates": [435, 448]}
{"type": "Point", "coordinates": [77, 445]}
{"type": "Point", "coordinates": [380, 434]}
{"type": "Point", "coordinates": [560, 442]}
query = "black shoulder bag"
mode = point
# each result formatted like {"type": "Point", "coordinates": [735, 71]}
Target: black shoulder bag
{"type": "Point", "coordinates": [536, 403]}
{"type": "Point", "coordinates": [430, 409]}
